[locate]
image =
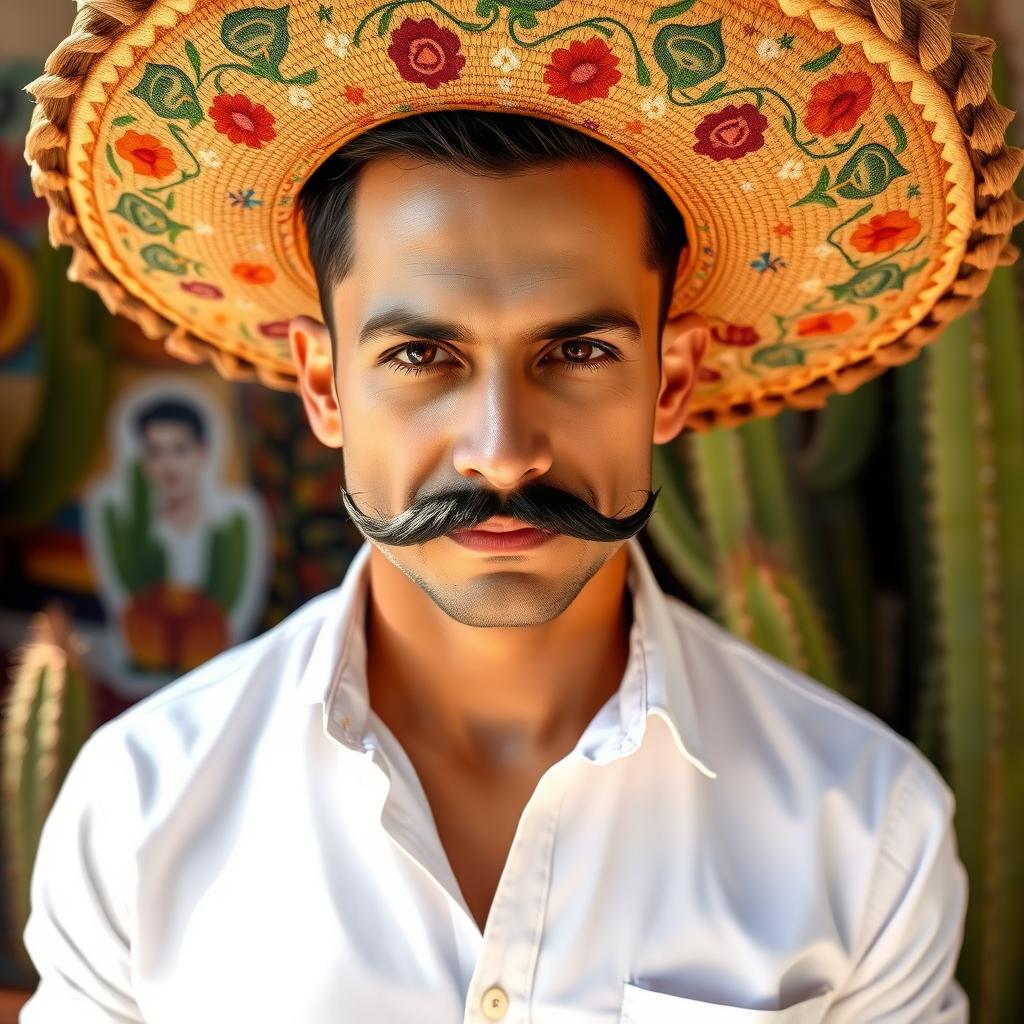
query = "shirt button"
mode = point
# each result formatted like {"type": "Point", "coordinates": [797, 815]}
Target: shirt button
{"type": "Point", "coordinates": [494, 1003]}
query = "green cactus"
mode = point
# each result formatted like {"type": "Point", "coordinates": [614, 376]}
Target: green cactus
{"type": "Point", "coordinates": [47, 718]}
{"type": "Point", "coordinates": [225, 561]}
{"type": "Point", "coordinates": [139, 558]}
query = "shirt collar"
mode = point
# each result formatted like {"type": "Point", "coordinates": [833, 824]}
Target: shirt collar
{"type": "Point", "coordinates": [655, 680]}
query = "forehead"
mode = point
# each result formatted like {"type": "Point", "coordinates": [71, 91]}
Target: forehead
{"type": "Point", "coordinates": [167, 431]}
{"type": "Point", "coordinates": [437, 227]}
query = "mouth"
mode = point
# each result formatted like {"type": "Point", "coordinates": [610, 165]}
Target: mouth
{"type": "Point", "coordinates": [502, 534]}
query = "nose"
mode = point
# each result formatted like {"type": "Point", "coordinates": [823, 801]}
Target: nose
{"type": "Point", "coordinates": [503, 444]}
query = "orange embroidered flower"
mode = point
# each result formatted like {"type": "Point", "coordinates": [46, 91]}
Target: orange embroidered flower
{"type": "Point", "coordinates": [354, 94]}
{"type": "Point", "coordinates": [584, 71]}
{"type": "Point", "coordinates": [241, 120]}
{"type": "Point", "coordinates": [824, 323]}
{"type": "Point", "coordinates": [884, 232]}
{"type": "Point", "coordinates": [783, 230]}
{"type": "Point", "coordinates": [837, 103]}
{"type": "Point", "coordinates": [253, 273]}
{"type": "Point", "coordinates": [146, 154]}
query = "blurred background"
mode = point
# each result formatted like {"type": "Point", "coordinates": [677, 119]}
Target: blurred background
{"type": "Point", "coordinates": [877, 543]}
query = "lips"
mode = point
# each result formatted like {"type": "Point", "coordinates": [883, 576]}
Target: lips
{"type": "Point", "coordinates": [501, 540]}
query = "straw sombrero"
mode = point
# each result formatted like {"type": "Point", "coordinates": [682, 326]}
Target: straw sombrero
{"type": "Point", "coordinates": [840, 167]}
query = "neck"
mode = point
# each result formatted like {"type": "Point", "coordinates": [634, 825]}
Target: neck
{"type": "Point", "coordinates": [505, 698]}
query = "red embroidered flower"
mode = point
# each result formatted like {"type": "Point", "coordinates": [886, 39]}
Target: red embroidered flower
{"type": "Point", "coordinates": [146, 154]}
{"type": "Point", "coordinates": [885, 231]}
{"type": "Point", "coordinates": [732, 132]}
{"type": "Point", "coordinates": [241, 120]}
{"type": "Point", "coordinates": [585, 71]}
{"type": "Point", "coordinates": [837, 103]}
{"type": "Point", "coordinates": [735, 334]}
{"type": "Point", "coordinates": [425, 52]}
{"type": "Point", "coordinates": [824, 323]}
{"type": "Point", "coordinates": [707, 375]}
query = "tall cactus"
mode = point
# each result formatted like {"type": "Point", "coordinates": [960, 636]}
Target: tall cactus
{"type": "Point", "coordinates": [48, 716]}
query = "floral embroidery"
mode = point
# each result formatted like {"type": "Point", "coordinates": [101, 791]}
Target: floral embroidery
{"type": "Point", "coordinates": [505, 58]}
{"type": "Point", "coordinates": [707, 374]}
{"type": "Point", "coordinates": [584, 71]}
{"type": "Point", "coordinates": [354, 94]}
{"type": "Point", "coordinates": [812, 286]}
{"type": "Point", "coordinates": [884, 232]}
{"type": "Point", "coordinates": [299, 97]}
{"type": "Point", "coordinates": [731, 133]}
{"type": "Point", "coordinates": [768, 49]}
{"type": "Point", "coordinates": [783, 230]}
{"type": "Point", "coordinates": [766, 261]}
{"type": "Point", "coordinates": [740, 335]}
{"type": "Point", "coordinates": [146, 154]}
{"type": "Point", "coordinates": [837, 104]}
{"type": "Point", "coordinates": [208, 158]}
{"type": "Point", "coordinates": [426, 52]}
{"type": "Point", "coordinates": [791, 170]}
{"type": "Point", "coordinates": [241, 120]}
{"type": "Point", "coordinates": [653, 106]}
{"type": "Point", "coordinates": [254, 273]}
{"type": "Point", "coordinates": [203, 289]}
{"type": "Point", "coordinates": [824, 323]}
{"type": "Point", "coordinates": [274, 328]}
{"type": "Point", "coordinates": [337, 43]}
{"type": "Point", "coordinates": [245, 197]}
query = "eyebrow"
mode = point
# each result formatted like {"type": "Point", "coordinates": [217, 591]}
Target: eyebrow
{"type": "Point", "coordinates": [402, 320]}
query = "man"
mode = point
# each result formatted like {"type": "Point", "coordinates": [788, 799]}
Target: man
{"type": "Point", "coordinates": [497, 774]}
{"type": "Point", "coordinates": [173, 453]}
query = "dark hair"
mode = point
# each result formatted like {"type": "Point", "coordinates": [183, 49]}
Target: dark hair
{"type": "Point", "coordinates": [477, 142]}
{"type": "Point", "coordinates": [170, 409]}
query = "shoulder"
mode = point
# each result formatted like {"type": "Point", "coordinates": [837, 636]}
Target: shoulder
{"type": "Point", "coordinates": [166, 736]}
{"type": "Point", "coordinates": [759, 714]}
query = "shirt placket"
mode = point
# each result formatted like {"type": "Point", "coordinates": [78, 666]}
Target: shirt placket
{"type": "Point", "coordinates": [502, 982]}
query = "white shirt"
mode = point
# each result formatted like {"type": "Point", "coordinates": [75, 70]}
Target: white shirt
{"type": "Point", "coordinates": [729, 842]}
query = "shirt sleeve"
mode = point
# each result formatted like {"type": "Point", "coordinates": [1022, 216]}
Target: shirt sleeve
{"type": "Point", "coordinates": [78, 933]}
{"type": "Point", "coordinates": [913, 925]}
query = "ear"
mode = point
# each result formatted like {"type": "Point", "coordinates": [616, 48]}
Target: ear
{"type": "Point", "coordinates": [685, 340]}
{"type": "Point", "coordinates": [310, 343]}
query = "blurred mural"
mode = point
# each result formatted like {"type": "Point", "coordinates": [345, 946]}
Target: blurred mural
{"type": "Point", "coordinates": [152, 515]}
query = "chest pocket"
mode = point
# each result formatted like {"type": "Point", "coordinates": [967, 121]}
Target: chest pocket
{"type": "Point", "coordinates": [644, 1006]}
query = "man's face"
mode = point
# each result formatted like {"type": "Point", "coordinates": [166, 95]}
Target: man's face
{"type": "Point", "coordinates": [172, 458]}
{"type": "Point", "coordinates": [499, 409]}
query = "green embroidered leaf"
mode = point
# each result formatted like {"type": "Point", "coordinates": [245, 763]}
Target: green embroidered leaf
{"type": "Point", "coordinates": [170, 94]}
{"type": "Point", "coordinates": [385, 20]}
{"type": "Point", "coordinates": [870, 171]}
{"type": "Point", "coordinates": [159, 257]}
{"type": "Point", "coordinates": [778, 355]}
{"type": "Point", "coordinates": [120, 122]}
{"type": "Point", "coordinates": [260, 35]}
{"type": "Point", "coordinates": [113, 162]}
{"type": "Point", "coordinates": [661, 13]}
{"type": "Point", "coordinates": [306, 78]}
{"type": "Point", "coordinates": [823, 61]}
{"type": "Point", "coordinates": [897, 130]}
{"type": "Point", "coordinates": [818, 194]}
{"type": "Point", "coordinates": [714, 92]}
{"type": "Point", "coordinates": [193, 58]}
{"type": "Point", "coordinates": [690, 54]}
{"type": "Point", "coordinates": [866, 284]}
{"type": "Point", "coordinates": [147, 217]}
{"type": "Point", "coordinates": [522, 16]}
